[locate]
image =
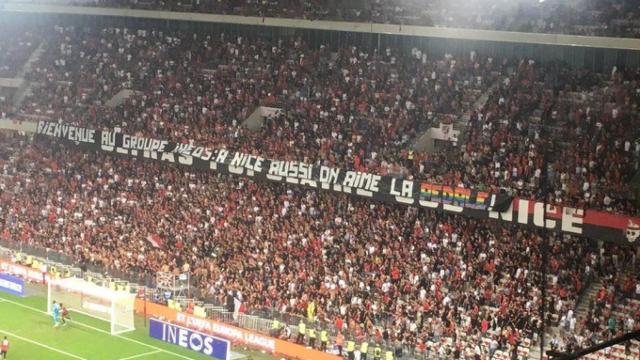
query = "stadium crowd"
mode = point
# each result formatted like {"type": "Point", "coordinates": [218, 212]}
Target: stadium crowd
{"type": "Point", "coordinates": [355, 108]}
{"type": "Point", "coordinates": [389, 273]}
{"type": "Point", "coordinates": [580, 123]}
{"type": "Point", "coordinates": [612, 311]}
{"type": "Point", "coordinates": [425, 280]}
{"type": "Point", "coordinates": [617, 18]}
{"type": "Point", "coordinates": [347, 107]}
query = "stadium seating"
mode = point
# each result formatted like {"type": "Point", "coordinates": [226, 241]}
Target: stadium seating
{"type": "Point", "coordinates": [615, 295]}
{"type": "Point", "coordinates": [355, 109]}
{"type": "Point", "coordinates": [113, 205]}
{"type": "Point", "coordinates": [623, 310]}
{"type": "Point", "coordinates": [586, 17]}
{"type": "Point", "coordinates": [426, 280]}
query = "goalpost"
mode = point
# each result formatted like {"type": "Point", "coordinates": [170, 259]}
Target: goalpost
{"type": "Point", "coordinates": [87, 298]}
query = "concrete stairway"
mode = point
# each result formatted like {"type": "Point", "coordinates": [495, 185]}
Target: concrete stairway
{"type": "Point", "coordinates": [25, 87]}
{"type": "Point", "coordinates": [534, 352]}
{"type": "Point", "coordinates": [581, 312]}
{"type": "Point", "coordinates": [425, 143]}
{"type": "Point", "coordinates": [583, 307]}
{"type": "Point", "coordinates": [120, 98]}
{"type": "Point", "coordinates": [255, 120]}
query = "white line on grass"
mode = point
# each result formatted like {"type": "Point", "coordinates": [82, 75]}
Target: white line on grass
{"type": "Point", "coordinates": [99, 330]}
{"type": "Point", "coordinates": [141, 355]}
{"type": "Point", "coordinates": [41, 345]}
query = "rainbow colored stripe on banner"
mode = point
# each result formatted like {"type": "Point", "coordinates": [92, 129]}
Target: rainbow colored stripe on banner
{"type": "Point", "coordinates": [454, 196]}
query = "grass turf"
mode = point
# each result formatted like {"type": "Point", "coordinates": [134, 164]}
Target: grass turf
{"type": "Point", "coordinates": [32, 337]}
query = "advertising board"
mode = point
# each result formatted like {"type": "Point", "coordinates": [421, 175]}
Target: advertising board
{"type": "Point", "coordinates": [190, 339]}
{"type": "Point", "coordinates": [24, 272]}
{"type": "Point", "coordinates": [11, 284]}
{"type": "Point", "coordinates": [235, 334]}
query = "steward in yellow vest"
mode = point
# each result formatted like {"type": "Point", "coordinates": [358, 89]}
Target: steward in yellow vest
{"type": "Point", "coordinates": [312, 338]}
{"type": "Point", "coordinates": [388, 355]}
{"type": "Point", "coordinates": [324, 339]}
{"type": "Point", "coordinates": [275, 328]}
{"type": "Point", "coordinates": [311, 310]}
{"type": "Point", "coordinates": [364, 349]}
{"type": "Point", "coordinates": [377, 353]}
{"type": "Point", "coordinates": [351, 347]}
{"type": "Point", "coordinates": [302, 329]}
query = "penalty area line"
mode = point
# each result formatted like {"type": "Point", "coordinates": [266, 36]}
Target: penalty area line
{"type": "Point", "coordinates": [141, 355]}
{"type": "Point", "coordinates": [40, 344]}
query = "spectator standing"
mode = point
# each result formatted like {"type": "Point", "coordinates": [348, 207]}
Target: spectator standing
{"type": "Point", "coordinates": [340, 342]}
{"type": "Point", "coordinates": [612, 325]}
{"type": "Point", "coordinates": [493, 347]}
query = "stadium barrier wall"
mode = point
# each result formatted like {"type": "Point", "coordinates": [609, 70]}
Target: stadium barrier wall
{"type": "Point", "coordinates": [24, 272]}
{"type": "Point", "coordinates": [232, 333]}
{"type": "Point", "coordinates": [16, 125]}
{"type": "Point", "coordinates": [346, 26]}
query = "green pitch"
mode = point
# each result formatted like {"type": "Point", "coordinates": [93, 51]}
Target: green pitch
{"type": "Point", "coordinates": [32, 337]}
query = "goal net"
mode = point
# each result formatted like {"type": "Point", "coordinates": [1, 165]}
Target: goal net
{"type": "Point", "coordinates": [87, 298]}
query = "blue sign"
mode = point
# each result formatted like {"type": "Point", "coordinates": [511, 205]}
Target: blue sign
{"type": "Point", "coordinates": [11, 284]}
{"type": "Point", "coordinates": [193, 340]}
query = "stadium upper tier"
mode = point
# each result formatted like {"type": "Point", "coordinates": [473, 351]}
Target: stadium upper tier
{"type": "Point", "coordinates": [354, 108]}
{"type": "Point", "coordinates": [617, 18]}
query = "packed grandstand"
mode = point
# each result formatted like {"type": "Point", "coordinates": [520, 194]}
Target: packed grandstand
{"type": "Point", "coordinates": [421, 283]}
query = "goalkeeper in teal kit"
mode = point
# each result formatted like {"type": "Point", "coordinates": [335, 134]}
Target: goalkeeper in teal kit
{"type": "Point", "coordinates": [55, 312]}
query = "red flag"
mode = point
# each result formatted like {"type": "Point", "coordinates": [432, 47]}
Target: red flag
{"type": "Point", "coordinates": [155, 241]}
